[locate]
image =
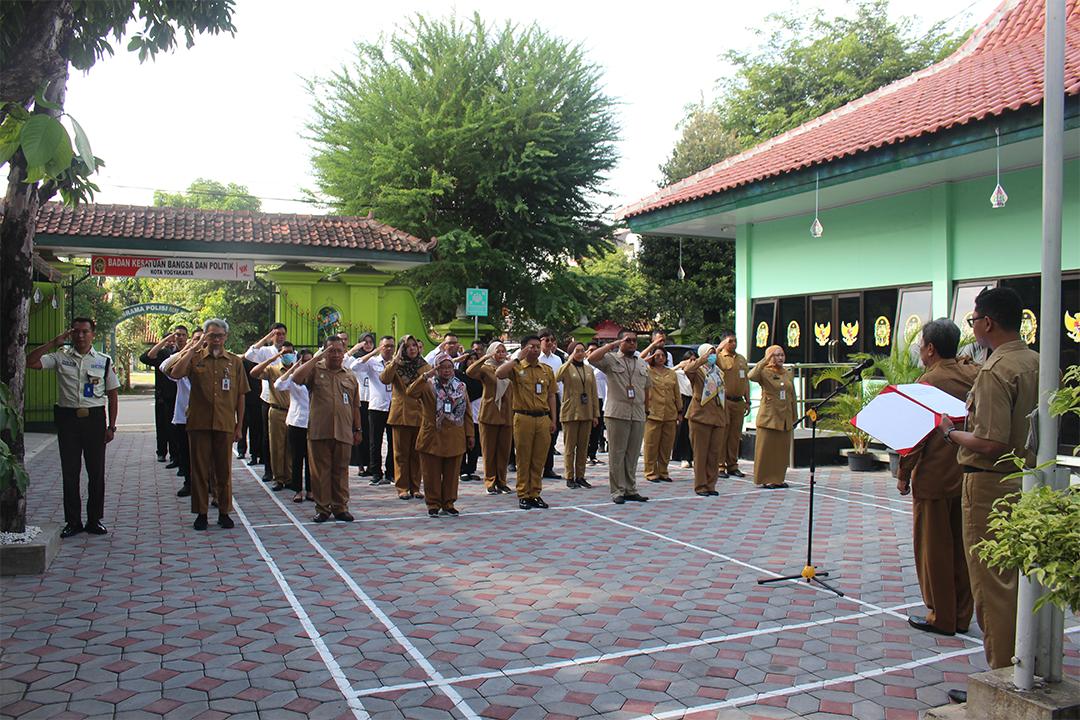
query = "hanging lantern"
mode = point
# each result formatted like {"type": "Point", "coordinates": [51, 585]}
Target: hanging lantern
{"type": "Point", "coordinates": [682, 273]}
{"type": "Point", "coordinates": [55, 303]}
{"type": "Point", "coordinates": [38, 297]}
{"type": "Point", "coordinates": [999, 198]}
{"type": "Point", "coordinates": [815, 229]}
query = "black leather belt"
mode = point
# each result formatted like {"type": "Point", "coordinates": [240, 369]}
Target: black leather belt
{"type": "Point", "coordinates": [81, 411]}
{"type": "Point", "coordinates": [530, 413]}
{"type": "Point", "coordinates": [740, 398]}
{"type": "Point", "coordinates": [973, 469]}
{"type": "Point", "coordinates": [277, 407]}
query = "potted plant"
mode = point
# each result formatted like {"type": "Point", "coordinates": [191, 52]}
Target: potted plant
{"type": "Point", "coordinates": [841, 409]}
{"type": "Point", "coordinates": [899, 367]}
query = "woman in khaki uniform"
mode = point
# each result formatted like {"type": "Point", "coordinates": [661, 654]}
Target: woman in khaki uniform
{"type": "Point", "coordinates": [707, 417]}
{"type": "Point", "coordinates": [446, 432]}
{"type": "Point", "coordinates": [496, 417]}
{"type": "Point", "coordinates": [405, 415]}
{"type": "Point", "coordinates": [665, 414]}
{"type": "Point", "coordinates": [775, 419]}
{"type": "Point", "coordinates": [579, 414]}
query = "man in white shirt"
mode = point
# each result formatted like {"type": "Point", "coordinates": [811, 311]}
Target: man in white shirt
{"type": "Point", "coordinates": [368, 368]}
{"type": "Point", "coordinates": [261, 351]}
{"type": "Point", "coordinates": [449, 345]}
{"type": "Point", "coordinates": [597, 433]}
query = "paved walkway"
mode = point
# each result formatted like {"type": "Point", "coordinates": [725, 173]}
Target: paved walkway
{"type": "Point", "coordinates": [585, 610]}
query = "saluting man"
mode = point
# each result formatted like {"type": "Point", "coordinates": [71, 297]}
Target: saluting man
{"type": "Point", "coordinates": [734, 368]}
{"type": "Point", "coordinates": [86, 381]}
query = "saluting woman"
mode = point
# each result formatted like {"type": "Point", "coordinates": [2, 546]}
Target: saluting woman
{"type": "Point", "coordinates": [707, 417]}
{"type": "Point", "coordinates": [405, 415]}
{"type": "Point", "coordinates": [665, 414]}
{"type": "Point", "coordinates": [496, 417]}
{"type": "Point", "coordinates": [776, 418]}
{"type": "Point", "coordinates": [579, 413]}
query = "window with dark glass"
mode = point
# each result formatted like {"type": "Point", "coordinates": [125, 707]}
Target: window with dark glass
{"type": "Point", "coordinates": [761, 329]}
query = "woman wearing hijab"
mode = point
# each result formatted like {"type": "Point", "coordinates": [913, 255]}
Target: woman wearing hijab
{"type": "Point", "coordinates": [776, 418]}
{"type": "Point", "coordinates": [579, 413]}
{"type": "Point", "coordinates": [665, 414]}
{"type": "Point", "coordinates": [446, 432]}
{"type": "Point", "coordinates": [405, 415]}
{"type": "Point", "coordinates": [707, 417]}
{"type": "Point", "coordinates": [496, 417]}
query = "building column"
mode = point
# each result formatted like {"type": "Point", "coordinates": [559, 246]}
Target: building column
{"type": "Point", "coordinates": [941, 241]}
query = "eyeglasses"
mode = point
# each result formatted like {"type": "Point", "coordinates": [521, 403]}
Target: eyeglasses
{"type": "Point", "coordinates": [971, 320]}
{"type": "Point", "coordinates": [214, 335]}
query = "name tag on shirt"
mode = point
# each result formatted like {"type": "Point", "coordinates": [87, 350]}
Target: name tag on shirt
{"type": "Point", "coordinates": [539, 388]}
{"type": "Point", "coordinates": [366, 382]}
{"type": "Point", "coordinates": [345, 397]}
{"type": "Point", "coordinates": [88, 389]}
{"type": "Point", "coordinates": [584, 398]}
{"type": "Point", "coordinates": [783, 395]}
{"type": "Point", "coordinates": [448, 408]}
{"type": "Point", "coordinates": [225, 385]}
{"type": "Point", "coordinates": [742, 373]}
{"type": "Point", "coordinates": [630, 393]}
{"type": "Point", "coordinates": [389, 388]}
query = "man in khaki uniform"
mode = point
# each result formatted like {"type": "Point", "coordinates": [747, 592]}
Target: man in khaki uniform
{"type": "Point", "coordinates": [333, 427]}
{"type": "Point", "coordinates": [271, 370]}
{"type": "Point", "coordinates": [734, 368]}
{"type": "Point", "coordinates": [215, 417]}
{"type": "Point", "coordinates": [627, 404]}
{"type": "Point", "coordinates": [932, 476]}
{"type": "Point", "coordinates": [534, 418]}
{"type": "Point", "coordinates": [1006, 390]}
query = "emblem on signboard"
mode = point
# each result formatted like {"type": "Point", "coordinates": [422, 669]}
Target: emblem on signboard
{"type": "Point", "coordinates": [912, 328]}
{"type": "Point", "coordinates": [762, 335]}
{"type": "Point", "coordinates": [793, 334]}
{"type": "Point", "coordinates": [849, 332]}
{"type": "Point", "coordinates": [882, 330]}
{"type": "Point", "coordinates": [99, 266]}
{"type": "Point", "coordinates": [1028, 327]}
{"type": "Point", "coordinates": [1072, 326]}
{"type": "Point", "coordinates": [822, 333]}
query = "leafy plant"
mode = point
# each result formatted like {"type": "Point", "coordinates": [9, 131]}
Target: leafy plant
{"type": "Point", "coordinates": [12, 471]}
{"type": "Point", "coordinates": [841, 409]}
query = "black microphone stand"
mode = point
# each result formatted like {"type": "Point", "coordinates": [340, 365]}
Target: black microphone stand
{"type": "Point", "coordinates": [810, 573]}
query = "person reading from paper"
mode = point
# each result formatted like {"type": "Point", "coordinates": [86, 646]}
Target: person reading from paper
{"type": "Point", "coordinates": [775, 423]}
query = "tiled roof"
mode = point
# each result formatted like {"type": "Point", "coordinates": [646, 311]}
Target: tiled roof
{"type": "Point", "coordinates": [226, 226]}
{"type": "Point", "coordinates": [998, 68]}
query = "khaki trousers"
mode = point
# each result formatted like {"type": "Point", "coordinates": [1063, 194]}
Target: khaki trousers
{"type": "Point", "coordinates": [211, 470]}
{"type": "Point", "coordinates": [575, 447]}
{"type": "Point", "coordinates": [440, 480]}
{"type": "Point", "coordinates": [707, 442]}
{"type": "Point", "coordinates": [532, 436]}
{"type": "Point", "coordinates": [407, 470]}
{"type": "Point", "coordinates": [659, 440]}
{"type": "Point", "coordinates": [624, 449]}
{"type": "Point", "coordinates": [329, 461]}
{"type": "Point", "coordinates": [941, 564]}
{"type": "Point", "coordinates": [280, 451]}
{"type": "Point", "coordinates": [994, 589]}
{"type": "Point", "coordinates": [729, 457]}
{"type": "Point", "coordinates": [495, 441]}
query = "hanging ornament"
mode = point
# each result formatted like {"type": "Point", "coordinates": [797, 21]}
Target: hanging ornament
{"type": "Point", "coordinates": [54, 302]}
{"type": "Point", "coordinates": [38, 297]}
{"type": "Point", "coordinates": [682, 273]}
{"type": "Point", "coordinates": [999, 198]}
{"type": "Point", "coordinates": [816, 228]}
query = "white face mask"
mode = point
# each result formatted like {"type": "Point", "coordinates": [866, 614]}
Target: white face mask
{"type": "Point", "coordinates": [216, 352]}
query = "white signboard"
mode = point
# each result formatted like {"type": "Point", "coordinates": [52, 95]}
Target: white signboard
{"type": "Point", "coordinates": [172, 267]}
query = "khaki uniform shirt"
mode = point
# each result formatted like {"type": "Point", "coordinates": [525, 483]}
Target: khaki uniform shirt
{"type": "Point", "coordinates": [736, 372]}
{"type": "Point", "coordinates": [625, 374]}
{"type": "Point", "coordinates": [1005, 392]}
{"type": "Point", "coordinates": [577, 381]}
{"type": "Point", "coordinates": [270, 375]}
{"type": "Point", "coordinates": [450, 440]}
{"type": "Point", "coordinates": [217, 386]}
{"type": "Point", "coordinates": [712, 412]}
{"type": "Point", "coordinates": [533, 385]}
{"type": "Point", "coordinates": [490, 412]}
{"type": "Point", "coordinates": [404, 410]}
{"type": "Point", "coordinates": [931, 465]}
{"type": "Point", "coordinates": [74, 372]}
{"type": "Point", "coordinates": [779, 407]}
{"type": "Point", "coordinates": [332, 396]}
{"type": "Point", "coordinates": [665, 402]}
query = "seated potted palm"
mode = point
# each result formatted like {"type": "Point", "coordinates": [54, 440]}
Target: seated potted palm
{"type": "Point", "coordinates": [838, 412]}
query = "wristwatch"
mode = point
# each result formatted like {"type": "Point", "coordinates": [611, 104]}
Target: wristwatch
{"type": "Point", "coordinates": [946, 435]}
{"type": "Point", "coordinates": [111, 428]}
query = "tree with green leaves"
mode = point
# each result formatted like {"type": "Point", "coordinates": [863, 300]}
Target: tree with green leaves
{"type": "Point", "coordinates": [704, 142]}
{"type": "Point", "coordinates": [39, 43]}
{"type": "Point", "coordinates": [495, 140]}
{"type": "Point", "coordinates": [210, 195]}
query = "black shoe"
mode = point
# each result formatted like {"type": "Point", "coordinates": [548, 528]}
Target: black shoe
{"type": "Point", "coordinates": [180, 473]}
{"type": "Point", "coordinates": [464, 478]}
{"type": "Point", "coordinates": [71, 529]}
{"type": "Point", "coordinates": [636, 497]}
{"type": "Point", "coordinates": [736, 473]}
{"type": "Point", "coordinates": [583, 483]}
{"type": "Point", "coordinates": [200, 522]}
{"type": "Point", "coordinates": [268, 478]}
{"type": "Point", "coordinates": [704, 493]}
{"type": "Point", "coordinates": [320, 517]}
{"type": "Point", "coordinates": [919, 623]}
{"type": "Point", "coordinates": [433, 512]}
{"type": "Point", "coordinates": [94, 527]}
{"type": "Point", "coordinates": [225, 521]}
{"type": "Point", "coordinates": [618, 499]}
{"type": "Point", "coordinates": [365, 473]}
{"type": "Point", "coordinates": [184, 491]}
{"type": "Point", "coordinates": [299, 498]}
{"type": "Point", "coordinates": [386, 481]}
{"type": "Point", "coordinates": [240, 455]}
{"type": "Point", "coordinates": [451, 511]}
{"type": "Point", "coordinates": [552, 475]}
{"type": "Point", "coordinates": [277, 486]}
{"type": "Point", "coordinates": [592, 461]}
{"type": "Point", "coordinates": [161, 458]}
{"type": "Point", "coordinates": [713, 493]}
{"type": "Point", "coordinates": [344, 516]}
{"type": "Point", "coordinates": [655, 479]}
{"type": "Point", "coordinates": [375, 481]}
{"type": "Point", "coordinates": [572, 484]}
{"type": "Point", "coordinates": [505, 490]}
{"type": "Point", "coordinates": [253, 461]}
{"type": "Point", "coordinates": [172, 464]}
{"type": "Point", "coordinates": [493, 490]}
{"type": "Point", "coordinates": [722, 475]}
{"type": "Point", "coordinates": [525, 503]}
{"type": "Point", "coordinates": [958, 696]}
{"type": "Point", "coordinates": [512, 467]}
{"type": "Point", "coordinates": [665, 479]}
{"type": "Point", "coordinates": [539, 503]}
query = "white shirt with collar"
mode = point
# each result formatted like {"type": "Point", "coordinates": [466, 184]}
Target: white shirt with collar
{"type": "Point", "coordinates": [75, 371]}
{"type": "Point", "coordinates": [349, 363]}
{"type": "Point", "coordinates": [553, 361]}
{"type": "Point", "coordinates": [299, 400]}
{"type": "Point", "coordinates": [379, 395]}
{"type": "Point", "coordinates": [259, 355]}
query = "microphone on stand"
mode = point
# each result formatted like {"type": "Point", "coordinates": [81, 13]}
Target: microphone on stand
{"type": "Point", "coordinates": [865, 364]}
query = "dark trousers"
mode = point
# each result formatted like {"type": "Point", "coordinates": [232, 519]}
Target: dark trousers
{"type": "Point", "coordinates": [163, 414]}
{"type": "Point", "coordinates": [264, 446]}
{"type": "Point", "coordinates": [182, 450]}
{"type": "Point", "coordinates": [254, 430]}
{"type": "Point", "coordinates": [301, 469]}
{"type": "Point", "coordinates": [683, 450]}
{"type": "Point", "coordinates": [82, 439]}
{"type": "Point", "coordinates": [361, 454]}
{"type": "Point", "coordinates": [468, 460]}
{"type": "Point", "coordinates": [549, 463]}
{"type": "Point", "coordinates": [378, 427]}
{"type": "Point", "coordinates": [596, 433]}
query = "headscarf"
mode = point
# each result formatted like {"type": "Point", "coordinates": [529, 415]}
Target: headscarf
{"type": "Point", "coordinates": [450, 393]}
{"type": "Point", "coordinates": [500, 383]}
{"type": "Point", "coordinates": [408, 368]}
{"type": "Point", "coordinates": [367, 335]}
{"type": "Point", "coordinates": [769, 351]}
{"type": "Point", "coordinates": [714, 379]}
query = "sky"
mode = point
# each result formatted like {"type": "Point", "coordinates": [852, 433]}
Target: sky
{"type": "Point", "coordinates": [233, 109]}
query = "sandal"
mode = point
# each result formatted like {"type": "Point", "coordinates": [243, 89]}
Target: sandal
{"type": "Point", "coordinates": [309, 497]}
{"type": "Point", "coordinates": [404, 496]}
{"type": "Point", "coordinates": [770, 486]}
{"type": "Point", "coordinates": [299, 498]}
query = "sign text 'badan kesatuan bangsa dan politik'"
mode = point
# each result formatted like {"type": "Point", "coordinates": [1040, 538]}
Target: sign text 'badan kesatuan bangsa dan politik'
{"type": "Point", "coordinates": [173, 267]}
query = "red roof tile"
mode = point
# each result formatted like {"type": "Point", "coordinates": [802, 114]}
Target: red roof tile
{"type": "Point", "coordinates": [998, 68]}
{"type": "Point", "coordinates": [229, 226]}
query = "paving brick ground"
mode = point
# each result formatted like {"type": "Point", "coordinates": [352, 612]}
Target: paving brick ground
{"type": "Point", "coordinates": [585, 610]}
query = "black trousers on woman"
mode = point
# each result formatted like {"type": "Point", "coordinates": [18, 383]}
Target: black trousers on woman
{"type": "Point", "coordinates": [301, 468]}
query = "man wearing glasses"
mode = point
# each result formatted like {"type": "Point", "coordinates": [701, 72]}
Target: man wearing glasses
{"type": "Point", "coordinates": [1005, 392]}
